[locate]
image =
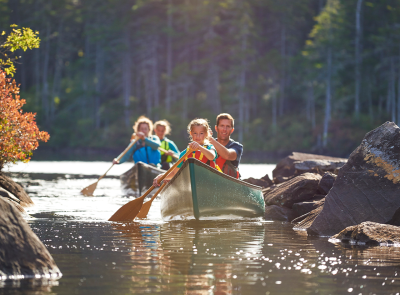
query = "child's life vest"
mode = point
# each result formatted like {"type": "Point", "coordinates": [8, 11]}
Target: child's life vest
{"type": "Point", "coordinates": [228, 168]}
{"type": "Point", "coordinates": [200, 156]}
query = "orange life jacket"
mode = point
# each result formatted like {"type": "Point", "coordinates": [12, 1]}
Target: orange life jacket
{"type": "Point", "coordinates": [227, 167]}
{"type": "Point", "coordinates": [200, 156]}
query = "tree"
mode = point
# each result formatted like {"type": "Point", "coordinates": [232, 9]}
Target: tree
{"type": "Point", "coordinates": [19, 134]}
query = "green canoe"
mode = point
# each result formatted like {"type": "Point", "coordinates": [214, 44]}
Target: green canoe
{"type": "Point", "coordinates": [139, 178]}
{"type": "Point", "coordinates": [199, 191]}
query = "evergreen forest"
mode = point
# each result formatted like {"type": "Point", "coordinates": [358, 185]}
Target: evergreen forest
{"type": "Point", "coordinates": [297, 75]}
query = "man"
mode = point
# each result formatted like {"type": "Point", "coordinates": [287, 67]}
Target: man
{"type": "Point", "coordinates": [229, 151]}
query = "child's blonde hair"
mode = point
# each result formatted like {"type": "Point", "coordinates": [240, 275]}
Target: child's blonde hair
{"type": "Point", "coordinates": [143, 120]}
{"type": "Point", "coordinates": [199, 122]}
{"type": "Point", "coordinates": [164, 123]}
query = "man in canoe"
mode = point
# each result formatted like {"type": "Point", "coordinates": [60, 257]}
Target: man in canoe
{"type": "Point", "coordinates": [229, 151]}
{"type": "Point", "coordinates": [146, 147]}
{"type": "Point", "coordinates": [162, 128]}
{"type": "Point", "coordinates": [200, 133]}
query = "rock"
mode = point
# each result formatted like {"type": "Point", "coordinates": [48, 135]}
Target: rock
{"type": "Point", "coordinates": [15, 189]}
{"type": "Point", "coordinates": [306, 207]}
{"type": "Point", "coordinates": [21, 251]}
{"type": "Point", "coordinates": [278, 213]}
{"type": "Point", "coordinates": [326, 183]}
{"type": "Point", "coordinates": [370, 233]}
{"type": "Point", "coordinates": [281, 179]}
{"type": "Point", "coordinates": [298, 189]}
{"type": "Point", "coordinates": [263, 182]}
{"type": "Point", "coordinates": [367, 187]}
{"type": "Point", "coordinates": [286, 167]}
{"type": "Point", "coordinates": [318, 166]}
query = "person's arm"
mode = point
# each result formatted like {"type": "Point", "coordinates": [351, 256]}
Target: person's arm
{"type": "Point", "coordinates": [153, 142]}
{"type": "Point", "coordinates": [227, 154]}
{"type": "Point", "coordinates": [166, 179]}
{"type": "Point", "coordinates": [126, 157]}
{"type": "Point", "coordinates": [210, 154]}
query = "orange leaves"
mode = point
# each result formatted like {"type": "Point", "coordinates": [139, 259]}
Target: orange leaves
{"type": "Point", "coordinates": [19, 134]}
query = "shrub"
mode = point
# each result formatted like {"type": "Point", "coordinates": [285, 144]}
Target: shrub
{"type": "Point", "coordinates": [19, 134]}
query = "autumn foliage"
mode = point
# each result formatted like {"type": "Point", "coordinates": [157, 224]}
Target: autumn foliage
{"type": "Point", "coordinates": [19, 134]}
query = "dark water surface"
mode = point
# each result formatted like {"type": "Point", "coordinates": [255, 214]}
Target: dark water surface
{"type": "Point", "coordinates": [188, 257]}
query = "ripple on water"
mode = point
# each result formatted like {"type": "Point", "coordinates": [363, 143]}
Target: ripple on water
{"type": "Point", "coordinates": [188, 257]}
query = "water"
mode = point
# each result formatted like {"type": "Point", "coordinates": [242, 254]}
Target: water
{"type": "Point", "coordinates": [183, 257]}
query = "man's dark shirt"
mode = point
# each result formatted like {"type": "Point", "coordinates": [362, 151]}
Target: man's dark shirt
{"type": "Point", "coordinates": [238, 149]}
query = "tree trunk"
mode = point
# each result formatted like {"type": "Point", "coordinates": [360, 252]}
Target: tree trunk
{"type": "Point", "coordinates": [393, 89]}
{"type": "Point", "coordinates": [45, 88]}
{"type": "Point", "coordinates": [99, 68]}
{"type": "Point", "coordinates": [327, 98]}
{"type": "Point", "coordinates": [126, 77]}
{"type": "Point", "coordinates": [169, 58]}
{"type": "Point", "coordinates": [57, 70]}
{"type": "Point", "coordinates": [358, 59]}
{"type": "Point", "coordinates": [242, 86]}
{"type": "Point", "coordinates": [283, 70]}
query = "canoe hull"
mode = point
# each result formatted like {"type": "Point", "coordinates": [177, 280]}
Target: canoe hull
{"type": "Point", "coordinates": [138, 179]}
{"type": "Point", "coordinates": [199, 191]}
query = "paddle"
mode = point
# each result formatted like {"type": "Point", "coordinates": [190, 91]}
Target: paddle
{"type": "Point", "coordinates": [164, 151]}
{"type": "Point", "coordinates": [131, 209]}
{"type": "Point", "coordinates": [88, 191]}
{"type": "Point", "coordinates": [146, 206]}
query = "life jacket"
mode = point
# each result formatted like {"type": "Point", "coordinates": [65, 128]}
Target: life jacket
{"type": "Point", "coordinates": [200, 156]}
{"type": "Point", "coordinates": [165, 146]}
{"type": "Point", "coordinates": [228, 168]}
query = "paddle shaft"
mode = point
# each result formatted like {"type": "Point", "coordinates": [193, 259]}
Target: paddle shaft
{"type": "Point", "coordinates": [164, 151]}
{"type": "Point", "coordinates": [119, 158]}
{"type": "Point", "coordinates": [146, 206]}
{"type": "Point", "coordinates": [131, 209]}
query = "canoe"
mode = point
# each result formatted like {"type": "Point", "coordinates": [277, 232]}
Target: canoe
{"type": "Point", "coordinates": [138, 179]}
{"type": "Point", "coordinates": [198, 191]}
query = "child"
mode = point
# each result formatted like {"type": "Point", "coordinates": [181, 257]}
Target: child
{"type": "Point", "coordinates": [162, 128]}
{"type": "Point", "coordinates": [146, 148]}
{"type": "Point", "coordinates": [199, 132]}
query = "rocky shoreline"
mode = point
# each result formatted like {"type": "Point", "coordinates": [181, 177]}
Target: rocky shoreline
{"type": "Point", "coordinates": [353, 199]}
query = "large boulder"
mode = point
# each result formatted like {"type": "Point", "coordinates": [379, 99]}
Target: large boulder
{"type": "Point", "coordinates": [367, 187]}
{"type": "Point", "coordinates": [263, 181]}
{"type": "Point", "coordinates": [16, 190]}
{"type": "Point", "coordinates": [298, 189]}
{"type": "Point", "coordinates": [306, 163]}
{"type": "Point", "coordinates": [370, 233]}
{"type": "Point", "coordinates": [326, 183]}
{"type": "Point", "coordinates": [21, 251]}
{"type": "Point", "coordinates": [278, 213]}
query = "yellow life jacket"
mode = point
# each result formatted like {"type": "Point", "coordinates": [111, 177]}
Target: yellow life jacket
{"type": "Point", "coordinates": [165, 146]}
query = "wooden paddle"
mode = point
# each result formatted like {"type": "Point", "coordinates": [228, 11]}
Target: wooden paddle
{"type": "Point", "coordinates": [88, 191]}
{"type": "Point", "coordinates": [131, 209]}
{"type": "Point", "coordinates": [146, 206]}
{"type": "Point", "coordinates": [175, 156]}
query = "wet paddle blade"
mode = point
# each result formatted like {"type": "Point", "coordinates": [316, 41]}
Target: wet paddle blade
{"type": "Point", "coordinates": [88, 191]}
{"type": "Point", "coordinates": [146, 206]}
{"type": "Point", "coordinates": [128, 211]}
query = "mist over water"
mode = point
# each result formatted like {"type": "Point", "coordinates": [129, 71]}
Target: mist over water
{"type": "Point", "coordinates": [249, 256]}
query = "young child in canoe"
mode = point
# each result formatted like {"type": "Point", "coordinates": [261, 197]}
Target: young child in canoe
{"type": "Point", "coordinates": [199, 131]}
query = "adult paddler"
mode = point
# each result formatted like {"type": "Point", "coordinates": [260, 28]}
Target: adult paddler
{"type": "Point", "coordinates": [162, 128]}
{"type": "Point", "coordinates": [229, 151]}
{"type": "Point", "coordinates": [146, 147]}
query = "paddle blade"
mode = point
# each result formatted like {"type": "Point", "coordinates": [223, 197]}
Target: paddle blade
{"type": "Point", "coordinates": [146, 206]}
{"type": "Point", "coordinates": [128, 211]}
{"type": "Point", "coordinates": [144, 210]}
{"type": "Point", "coordinates": [88, 191]}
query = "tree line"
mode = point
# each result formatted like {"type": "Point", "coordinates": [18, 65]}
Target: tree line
{"type": "Point", "coordinates": [305, 75]}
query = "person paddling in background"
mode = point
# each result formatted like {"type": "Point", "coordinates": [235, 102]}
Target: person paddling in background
{"type": "Point", "coordinates": [146, 147]}
{"type": "Point", "coordinates": [199, 131]}
{"type": "Point", "coordinates": [162, 128]}
{"type": "Point", "coordinates": [229, 151]}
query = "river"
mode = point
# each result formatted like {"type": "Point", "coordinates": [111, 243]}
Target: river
{"type": "Point", "coordinates": [249, 256]}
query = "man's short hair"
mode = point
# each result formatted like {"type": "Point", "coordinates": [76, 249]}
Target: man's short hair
{"type": "Point", "coordinates": [225, 116]}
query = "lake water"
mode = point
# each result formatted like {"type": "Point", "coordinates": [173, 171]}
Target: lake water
{"type": "Point", "coordinates": [182, 257]}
